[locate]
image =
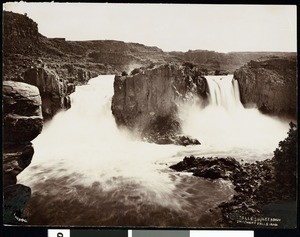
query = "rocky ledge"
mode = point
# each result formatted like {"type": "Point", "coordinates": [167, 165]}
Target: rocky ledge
{"type": "Point", "coordinates": [22, 122]}
{"type": "Point", "coordinates": [147, 101]}
{"type": "Point", "coordinates": [256, 184]}
{"type": "Point", "coordinates": [270, 84]}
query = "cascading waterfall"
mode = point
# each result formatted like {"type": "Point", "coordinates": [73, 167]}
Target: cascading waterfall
{"type": "Point", "coordinates": [85, 171]}
{"type": "Point", "coordinates": [224, 91]}
{"type": "Point", "coordinates": [226, 128]}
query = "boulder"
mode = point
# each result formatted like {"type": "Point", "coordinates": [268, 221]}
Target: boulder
{"type": "Point", "coordinates": [212, 168]}
{"type": "Point", "coordinates": [22, 115]}
{"type": "Point", "coordinates": [270, 84]}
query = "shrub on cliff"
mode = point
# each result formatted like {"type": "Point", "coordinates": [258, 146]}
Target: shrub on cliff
{"type": "Point", "coordinates": [124, 73]}
{"type": "Point", "coordinates": [285, 160]}
{"type": "Point", "coordinates": [135, 71]}
{"type": "Point", "coordinates": [152, 65]}
{"type": "Point", "coordinates": [189, 65]}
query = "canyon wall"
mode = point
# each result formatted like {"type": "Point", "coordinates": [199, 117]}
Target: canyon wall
{"type": "Point", "coordinates": [24, 47]}
{"type": "Point", "coordinates": [22, 122]}
{"type": "Point", "coordinates": [148, 101]}
{"type": "Point", "coordinates": [270, 84]}
{"type": "Point", "coordinates": [53, 90]}
{"type": "Point", "coordinates": [77, 61]}
{"type": "Point", "coordinates": [215, 63]}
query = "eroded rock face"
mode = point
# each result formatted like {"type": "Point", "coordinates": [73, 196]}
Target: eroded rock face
{"type": "Point", "coordinates": [20, 33]}
{"type": "Point", "coordinates": [22, 122]}
{"type": "Point", "coordinates": [270, 84]}
{"type": "Point", "coordinates": [22, 115]}
{"type": "Point", "coordinates": [54, 90]}
{"type": "Point", "coordinates": [149, 99]}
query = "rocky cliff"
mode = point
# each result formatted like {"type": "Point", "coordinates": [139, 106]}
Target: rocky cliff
{"type": "Point", "coordinates": [270, 84]}
{"type": "Point", "coordinates": [22, 122]}
{"type": "Point", "coordinates": [77, 61]}
{"type": "Point", "coordinates": [223, 63]}
{"type": "Point", "coordinates": [53, 90]}
{"type": "Point", "coordinates": [24, 47]}
{"type": "Point", "coordinates": [148, 100]}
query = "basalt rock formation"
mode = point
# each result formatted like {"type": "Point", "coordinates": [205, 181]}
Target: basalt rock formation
{"type": "Point", "coordinates": [24, 47]}
{"type": "Point", "coordinates": [53, 90]}
{"type": "Point", "coordinates": [22, 122]}
{"type": "Point", "coordinates": [215, 63]}
{"type": "Point", "coordinates": [76, 61]}
{"type": "Point", "coordinates": [148, 99]}
{"type": "Point", "coordinates": [22, 116]}
{"type": "Point", "coordinates": [270, 84]}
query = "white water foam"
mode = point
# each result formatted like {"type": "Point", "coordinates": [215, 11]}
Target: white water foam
{"type": "Point", "coordinates": [83, 146]}
{"type": "Point", "coordinates": [226, 127]}
{"type": "Point", "coordinates": [85, 141]}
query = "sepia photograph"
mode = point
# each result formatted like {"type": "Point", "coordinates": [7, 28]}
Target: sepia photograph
{"type": "Point", "coordinates": [149, 115]}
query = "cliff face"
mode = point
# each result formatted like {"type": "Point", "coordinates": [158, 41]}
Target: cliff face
{"type": "Point", "coordinates": [22, 122]}
{"type": "Point", "coordinates": [222, 63]}
{"type": "Point", "coordinates": [270, 84]}
{"type": "Point", "coordinates": [20, 34]}
{"type": "Point", "coordinates": [53, 90]}
{"type": "Point", "coordinates": [25, 47]}
{"type": "Point", "coordinates": [149, 100]}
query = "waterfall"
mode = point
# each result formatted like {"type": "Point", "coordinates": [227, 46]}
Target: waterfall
{"type": "Point", "coordinates": [85, 165]}
{"type": "Point", "coordinates": [225, 126]}
{"type": "Point", "coordinates": [224, 91]}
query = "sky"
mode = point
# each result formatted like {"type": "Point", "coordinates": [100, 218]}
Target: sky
{"type": "Point", "coordinates": [171, 27]}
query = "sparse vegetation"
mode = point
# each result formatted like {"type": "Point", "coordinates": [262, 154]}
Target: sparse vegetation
{"type": "Point", "coordinates": [285, 157]}
{"type": "Point", "coordinates": [189, 65]}
{"type": "Point", "coordinates": [135, 71]}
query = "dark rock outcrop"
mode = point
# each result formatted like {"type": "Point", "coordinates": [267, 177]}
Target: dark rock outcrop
{"type": "Point", "coordinates": [22, 122]}
{"type": "Point", "coordinates": [165, 130]}
{"type": "Point", "coordinates": [53, 90]}
{"type": "Point", "coordinates": [22, 116]}
{"type": "Point", "coordinates": [213, 168]}
{"type": "Point", "coordinates": [147, 100]}
{"type": "Point", "coordinates": [15, 198]}
{"type": "Point", "coordinates": [256, 184]}
{"type": "Point", "coordinates": [21, 33]}
{"type": "Point", "coordinates": [247, 179]}
{"type": "Point", "coordinates": [16, 158]}
{"type": "Point", "coordinates": [270, 84]}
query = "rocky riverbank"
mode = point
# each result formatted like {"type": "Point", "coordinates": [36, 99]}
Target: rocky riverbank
{"type": "Point", "coordinates": [22, 122]}
{"type": "Point", "coordinates": [256, 184]}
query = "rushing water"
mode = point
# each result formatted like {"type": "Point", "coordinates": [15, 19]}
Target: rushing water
{"type": "Point", "coordinates": [85, 171]}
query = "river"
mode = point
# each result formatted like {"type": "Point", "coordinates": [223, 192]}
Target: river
{"type": "Point", "coordinates": [85, 171]}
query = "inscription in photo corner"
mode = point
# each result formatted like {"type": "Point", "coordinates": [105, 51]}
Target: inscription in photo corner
{"type": "Point", "coordinates": [257, 221]}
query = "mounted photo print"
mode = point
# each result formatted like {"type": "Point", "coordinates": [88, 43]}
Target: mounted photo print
{"type": "Point", "coordinates": [149, 115]}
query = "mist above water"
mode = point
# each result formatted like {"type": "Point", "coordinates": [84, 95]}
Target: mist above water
{"type": "Point", "coordinates": [226, 127]}
{"type": "Point", "coordinates": [85, 141]}
{"type": "Point", "coordinates": [82, 156]}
